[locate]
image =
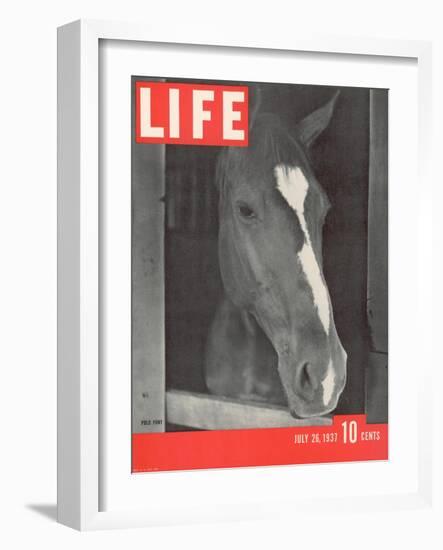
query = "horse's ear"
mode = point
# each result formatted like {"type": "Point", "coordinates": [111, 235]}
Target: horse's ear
{"type": "Point", "coordinates": [313, 125]}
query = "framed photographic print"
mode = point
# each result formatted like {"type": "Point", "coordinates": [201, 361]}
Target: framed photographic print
{"type": "Point", "coordinates": [232, 246]}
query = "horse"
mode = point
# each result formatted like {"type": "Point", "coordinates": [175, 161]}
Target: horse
{"type": "Point", "coordinates": [273, 338]}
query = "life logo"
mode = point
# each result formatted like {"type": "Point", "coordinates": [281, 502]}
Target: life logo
{"type": "Point", "coordinates": [191, 114]}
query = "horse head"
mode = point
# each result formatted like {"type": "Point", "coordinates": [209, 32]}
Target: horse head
{"type": "Point", "coordinates": [272, 210]}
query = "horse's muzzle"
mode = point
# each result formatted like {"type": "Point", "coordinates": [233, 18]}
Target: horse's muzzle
{"type": "Point", "coordinates": [312, 390]}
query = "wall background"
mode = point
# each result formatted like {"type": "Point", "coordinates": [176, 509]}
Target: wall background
{"type": "Point", "coordinates": [28, 266]}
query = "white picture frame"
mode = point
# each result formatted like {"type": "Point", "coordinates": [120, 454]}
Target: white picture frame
{"type": "Point", "coordinates": [79, 368]}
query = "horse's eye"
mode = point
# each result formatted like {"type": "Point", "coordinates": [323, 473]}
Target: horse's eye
{"type": "Point", "coordinates": [246, 212]}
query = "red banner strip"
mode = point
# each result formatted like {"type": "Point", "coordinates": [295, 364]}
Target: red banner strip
{"type": "Point", "coordinates": [348, 439]}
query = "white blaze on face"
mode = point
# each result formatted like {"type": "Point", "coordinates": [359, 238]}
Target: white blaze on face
{"type": "Point", "coordinates": [293, 185]}
{"type": "Point", "coordinates": [328, 384]}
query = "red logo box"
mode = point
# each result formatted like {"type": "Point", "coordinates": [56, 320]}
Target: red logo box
{"type": "Point", "coordinates": [191, 114]}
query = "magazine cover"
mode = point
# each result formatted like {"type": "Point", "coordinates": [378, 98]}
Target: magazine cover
{"type": "Point", "coordinates": [259, 274]}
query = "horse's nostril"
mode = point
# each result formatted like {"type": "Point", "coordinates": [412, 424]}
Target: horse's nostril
{"type": "Point", "coordinates": [305, 381]}
{"type": "Point", "coordinates": [304, 377]}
